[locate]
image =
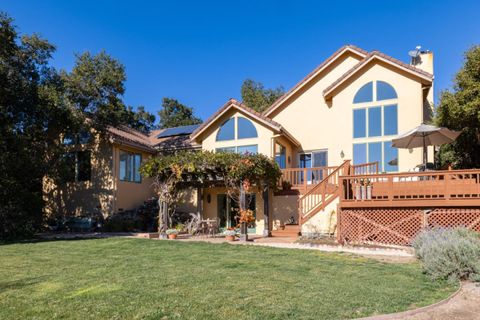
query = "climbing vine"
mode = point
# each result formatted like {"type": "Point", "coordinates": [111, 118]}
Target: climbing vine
{"type": "Point", "coordinates": [237, 172]}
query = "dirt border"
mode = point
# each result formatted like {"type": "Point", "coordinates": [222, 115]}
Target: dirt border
{"type": "Point", "coordinates": [408, 313]}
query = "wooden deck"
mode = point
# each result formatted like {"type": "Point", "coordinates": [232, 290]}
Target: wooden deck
{"type": "Point", "coordinates": [454, 188]}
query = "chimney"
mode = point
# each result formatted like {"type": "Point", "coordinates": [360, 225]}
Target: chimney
{"type": "Point", "coordinates": [422, 59]}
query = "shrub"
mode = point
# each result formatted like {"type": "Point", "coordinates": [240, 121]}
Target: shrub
{"type": "Point", "coordinates": [449, 253]}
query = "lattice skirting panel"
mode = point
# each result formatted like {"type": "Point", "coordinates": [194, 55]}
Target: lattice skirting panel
{"type": "Point", "coordinates": [400, 226]}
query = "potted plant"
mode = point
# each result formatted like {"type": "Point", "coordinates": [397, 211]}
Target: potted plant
{"type": "Point", "coordinates": [245, 217]}
{"type": "Point", "coordinates": [230, 234]}
{"type": "Point", "coordinates": [363, 190]}
{"type": "Point", "coordinates": [172, 233]}
{"type": "Point", "coordinates": [358, 189]}
{"type": "Point", "coordinates": [368, 187]}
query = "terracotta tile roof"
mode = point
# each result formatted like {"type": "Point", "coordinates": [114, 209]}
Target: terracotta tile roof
{"type": "Point", "coordinates": [131, 137]}
{"type": "Point", "coordinates": [372, 55]}
{"type": "Point", "coordinates": [150, 143]}
{"type": "Point", "coordinates": [312, 74]}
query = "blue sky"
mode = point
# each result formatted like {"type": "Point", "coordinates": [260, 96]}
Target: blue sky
{"type": "Point", "coordinates": [201, 51]}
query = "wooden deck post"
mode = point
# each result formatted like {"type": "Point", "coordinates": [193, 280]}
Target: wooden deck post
{"type": "Point", "coordinates": [339, 225]}
{"type": "Point", "coordinates": [199, 202]}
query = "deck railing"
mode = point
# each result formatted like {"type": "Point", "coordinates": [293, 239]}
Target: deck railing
{"type": "Point", "coordinates": [304, 178]}
{"type": "Point", "coordinates": [318, 197]}
{"type": "Point", "coordinates": [364, 168]}
{"type": "Point", "coordinates": [411, 189]}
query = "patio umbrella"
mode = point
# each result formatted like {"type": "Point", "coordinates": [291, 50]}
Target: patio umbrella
{"type": "Point", "coordinates": [423, 136]}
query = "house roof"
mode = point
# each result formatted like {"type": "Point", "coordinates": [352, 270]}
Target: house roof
{"type": "Point", "coordinates": [377, 55]}
{"type": "Point", "coordinates": [347, 48]}
{"type": "Point", "coordinates": [234, 104]}
{"type": "Point", "coordinates": [124, 135]}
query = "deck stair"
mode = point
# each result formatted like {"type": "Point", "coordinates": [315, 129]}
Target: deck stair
{"type": "Point", "coordinates": [287, 231]}
{"type": "Point", "coordinates": [322, 194]}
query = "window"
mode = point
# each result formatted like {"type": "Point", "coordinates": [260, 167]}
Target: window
{"type": "Point", "coordinates": [364, 94]}
{"type": "Point", "coordinates": [375, 122]}
{"type": "Point", "coordinates": [385, 91]}
{"type": "Point", "coordinates": [359, 123]}
{"type": "Point", "coordinates": [280, 156]}
{"type": "Point", "coordinates": [226, 149]}
{"type": "Point", "coordinates": [390, 120]}
{"type": "Point", "coordinates": [251, 149]}
{"type": "Point", "coordinates": [77, 166]}
{"type": "Point", "coordinates": [83, 137]}
{"type": "Point", "coordinates": [359, 153]}
{"type": "Point", "coordinates": [129, 166]}
{"type": "Point", "coordinates": [227, 130]}
{"type": "Point", "coordinates": [374, 125]}
{"type": "Point", "coordinates": [391, 157]}
{"type": "Point", "coordinates": [245, 129]}
{"type": "Point", "coordinates": [375, 153]}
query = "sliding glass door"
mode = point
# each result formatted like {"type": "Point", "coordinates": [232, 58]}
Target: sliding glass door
{"type": "Point", "coordinates": [313, 159]}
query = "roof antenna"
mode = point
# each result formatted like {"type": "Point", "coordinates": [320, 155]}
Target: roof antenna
{"type": "Point", "coordinates": [415, 55]}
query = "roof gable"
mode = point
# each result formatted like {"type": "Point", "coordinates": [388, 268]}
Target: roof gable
{"type": "Point", "coordinates": [329, 61]}
{"type": "Point", "coordinates": [372, 57]}
{"type": "Point", "coordinates": [254, 115]}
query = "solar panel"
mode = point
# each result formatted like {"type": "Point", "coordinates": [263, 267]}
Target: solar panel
{"type": "Point", "coordinates": [177, 131]}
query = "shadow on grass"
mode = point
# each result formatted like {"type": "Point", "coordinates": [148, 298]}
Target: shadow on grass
{"type": "Point", "coordinates": [66, 237]}
{"type": "Point", "coordinates": [21, 283]}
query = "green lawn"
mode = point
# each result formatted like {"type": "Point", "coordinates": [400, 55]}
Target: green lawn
{"type": "Point", "coordinates": [148, 279]}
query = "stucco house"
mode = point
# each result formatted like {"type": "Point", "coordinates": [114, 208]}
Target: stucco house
{"type": "Point", "coordinates": [341, 117]}
{"type": "Point", "coordinates": [350, 107]}
{"type": "Point", "coordinates": [104, 175]}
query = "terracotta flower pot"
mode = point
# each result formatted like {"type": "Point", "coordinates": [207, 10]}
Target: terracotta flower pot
{"type": "Point", "coordinates": [230, 238]}
{"type": "Point", "coordinates": [172, 236]}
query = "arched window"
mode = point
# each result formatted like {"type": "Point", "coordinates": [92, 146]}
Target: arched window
{"type": "Point", "coordinates": [364, 94]}
{"type": "Point", "coordinates": [385, 91]}
{"type": "Point", "coordinates": [374, 124]}
{"type": "Point", "coordinates": [245, 129]}
{"type": "Point", "coordinates": [227, 130]}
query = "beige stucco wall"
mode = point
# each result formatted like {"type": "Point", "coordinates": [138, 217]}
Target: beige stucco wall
{"type": "Point", "coordinates": [129, 195]}
{"type": "Point", "coordinates": [321, 125]}
{"type": "Point", "coordinates": [86, 197]}
{"type": "Point", "coordinates": [284, 207]}
{"type": "Point", "coordinates": [264, 139]}
{"type": "Point", "coordinates": [324, 222]}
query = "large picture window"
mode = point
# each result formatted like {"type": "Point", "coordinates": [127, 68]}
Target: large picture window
{"type": "Point", "coordinates": [129, 166]}
{"type": "Point", "coordinates": [375, 124]}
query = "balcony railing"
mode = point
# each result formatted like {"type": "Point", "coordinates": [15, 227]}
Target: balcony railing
{"type": "Point", "coordinates": [411, 189]}
{"type": "Point", "coordinates": [304, 178]}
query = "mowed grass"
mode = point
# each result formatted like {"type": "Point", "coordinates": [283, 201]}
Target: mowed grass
{"type": "Point", "coordinates": [147, 279]}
